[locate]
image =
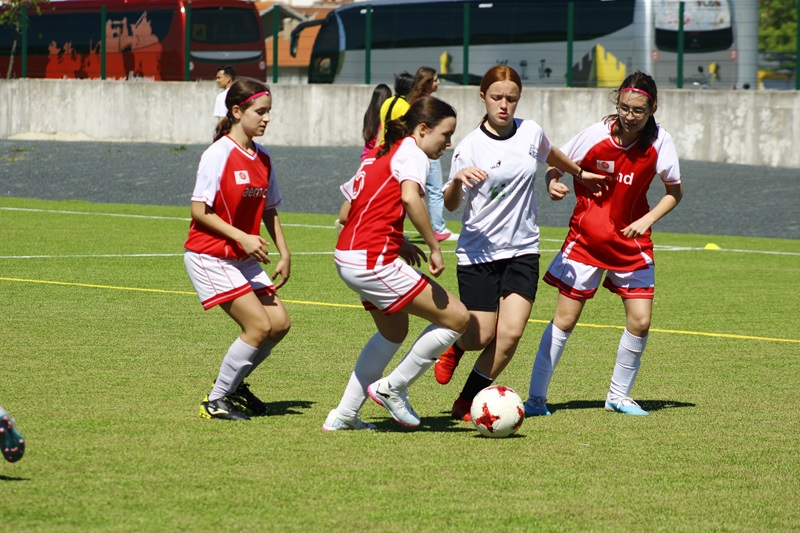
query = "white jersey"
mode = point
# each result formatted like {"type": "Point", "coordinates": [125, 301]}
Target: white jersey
{"type": "Point", "coordinates": [500, 216]}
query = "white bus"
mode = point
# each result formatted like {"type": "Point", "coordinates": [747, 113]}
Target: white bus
{"type": "Point", "coordinates": [610, 38]}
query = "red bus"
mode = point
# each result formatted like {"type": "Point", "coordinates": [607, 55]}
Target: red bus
{"type": "Point", "coordinates": [145, 39]}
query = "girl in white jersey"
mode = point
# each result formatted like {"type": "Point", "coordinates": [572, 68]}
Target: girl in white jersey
{"type": "Point", "coordinates": [389, 184]}
{"type": "Point", "coordinates": [235, 191]}
{"type": "Point", "coordinates": [494, 171]}
{"type": "Point", "coordinates": [610, 232]}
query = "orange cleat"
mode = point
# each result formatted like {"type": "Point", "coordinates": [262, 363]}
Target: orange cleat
{"type": "Point", "coordinates": [461, 408]}
{"type": "Point", "coordinates": [446, 364]}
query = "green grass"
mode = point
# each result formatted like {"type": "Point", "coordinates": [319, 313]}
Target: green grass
{"type": "Point", "coordinates": [106, 354]}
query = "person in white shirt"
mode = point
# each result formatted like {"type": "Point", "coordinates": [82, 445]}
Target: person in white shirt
{"type": "Point", "coordinates": [225, 77]}
{"type": "Point", "coordinates": [494, 171]}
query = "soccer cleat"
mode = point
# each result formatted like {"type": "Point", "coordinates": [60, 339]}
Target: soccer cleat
{"type": "Point", "coordinates": [625, 406]}
{"type": "Point", "coordinates": [12, 442]}
{"type": "Point", "coordinates": [536, 406]}
{"type": "Point", "coordinates": [443, 236]}
{"type": "Point", "coordinates": [223, 408]}
{"type": "Point", "coordinates": [395, 401]}
{"type": "Point", "coordinates": [447, 363]}
{"type": "Point", "coordinates": [249, 401]}
{"type": "Point", "coordinates": [338, 422]}
{"type": "Point", "coordinates": [461, 409]}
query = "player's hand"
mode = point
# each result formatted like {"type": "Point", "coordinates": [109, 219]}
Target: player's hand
{"type": "Point", "coordinates": [283, 270]}
{"type": "Point", "coordinates": [256, 247]}
{"type": "Point", "coordinates": [637, 228]}
{"type": "Point", "coordinates": [436, 265]}
{"type": "Point", "coordinates": [470, 176]}
{"type": "Point", "coordinates": [596, 183]}
{"type": "Point", "coordinates": [412, 254]}
{"type": "Point", "coordinates": [557, 190]}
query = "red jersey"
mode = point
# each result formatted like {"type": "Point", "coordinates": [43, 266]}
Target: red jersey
{"type": "Point", "coordinates": [374, 228]}
{"type": "Point", "coordinates": [595, 229]}
{"type": "Point", "coordinates": [239, 187]}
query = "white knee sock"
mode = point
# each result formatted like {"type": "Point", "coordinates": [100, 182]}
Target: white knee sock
{"type": "Point", "coordinates": [369, 368]}
{"type": "Point", "coordinates": [551, 347]}
{"type": "Point", "coordinates": [427, 348]}
{"type": "Point", "coordinates": [629, 358]}
{"type": "Point", "coordinates": [235, 365]}
{"type": "Point", "coordinates": [263, 352]}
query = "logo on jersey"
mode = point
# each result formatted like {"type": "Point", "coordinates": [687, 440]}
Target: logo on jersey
{"type": "Point", "coordinates": [533, 151]}
{"type": "Point", "coordinates": [496, 165]}
{"type": "Point", "coordinates": [627, 179]}
{"type": "Point", "coordinates": [241, 177]}
{"type": "Point", "coordinates": [605, 166]}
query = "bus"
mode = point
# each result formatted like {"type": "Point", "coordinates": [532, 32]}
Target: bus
{"type": "Point", "coordinates": [145, 39]}
{"type": "Point", "coordinates": [610, 38]}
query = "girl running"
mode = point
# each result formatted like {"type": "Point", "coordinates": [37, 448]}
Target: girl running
{"type": "Point", "coordinates": [610, 234]}
{"type": "Point", "coordinates": [234, 192]}
{"type": "Point", "coordinates": [369, 258]}
{"type": "Point", "coordinates": [494, 171]}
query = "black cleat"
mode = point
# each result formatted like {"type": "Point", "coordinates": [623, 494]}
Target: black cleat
{"type": "Point", "coordinates": [224, 408]}
{"type": "Point", "coordinates": [249, 401]}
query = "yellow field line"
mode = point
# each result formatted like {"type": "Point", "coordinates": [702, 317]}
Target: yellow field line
{"type": "Point", "coordinates": [351, 306]}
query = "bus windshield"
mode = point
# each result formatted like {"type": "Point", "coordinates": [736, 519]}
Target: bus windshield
{"type": "Point", "coordinates": [223, 25]}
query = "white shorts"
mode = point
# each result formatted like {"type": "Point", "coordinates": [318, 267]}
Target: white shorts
{"type": "Point", "coordinates": [218, 280]}
{"type": "Point", "coordinates": [580, 281]}
{"type": "Point", "coordinates": [388, 288]}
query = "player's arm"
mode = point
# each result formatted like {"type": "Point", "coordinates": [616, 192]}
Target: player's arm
{"type": "Point", "coordinates": [555, 188]}
{"type": "Point", "coordinates": [253, 245]}
{"type": "Point", "coordinates": [468, 177]}
{"type": "Point", "coordinates": [418, 214]}
{"type": "Point", "coordinates": [667, 203]}
{"type": "Point", "coordinates": [593, 181]}
{"type": "Point", "coordinates": [284, 267]}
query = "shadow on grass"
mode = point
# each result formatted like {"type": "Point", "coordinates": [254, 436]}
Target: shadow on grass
{"type": "Point", "coordinates": [428, 423]}
{"type": "Point", "coordinates": [647, 405]}
{"type": "Point", "coordinates": [290, 407]}
{"type": "Point", "coordinates": [10, 478]}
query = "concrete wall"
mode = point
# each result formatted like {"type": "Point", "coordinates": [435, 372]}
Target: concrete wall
{"type": "Point", "coordinates": [742, 127]}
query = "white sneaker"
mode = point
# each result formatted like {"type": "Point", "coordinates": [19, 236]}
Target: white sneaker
{"type": "Point", "coordinates": [338, 422]}
{"type": "Point", "coordinates": [395, 401]}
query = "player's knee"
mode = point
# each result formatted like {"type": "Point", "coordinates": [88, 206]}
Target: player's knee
{"type": "Point", "coordinates": [639, 326]}
{"type": "Point", "coordinates": [460, 319]}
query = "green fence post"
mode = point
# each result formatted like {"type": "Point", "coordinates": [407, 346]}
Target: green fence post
{"type": "Point", "coordinates": [465, 74]}
{"type": "Point", "coordinates": [797, 52]}
{"type": "Point", "coordinates": [570, 38]}
{"type": "Point", "coordinates": [276, 28]}
{"type": "Point", "coordinates": [103, 20]}
{"type": "Point", "coordinates": [24, 54]}
{"type": "Point", "coordinates": [368, 46]}
{"type": "Point", "coordinates": [680, 44]}
{"type": "Point", "coordinates": [187, 47]}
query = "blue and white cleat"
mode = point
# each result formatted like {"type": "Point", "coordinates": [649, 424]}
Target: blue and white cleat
{"type": "Point", "coordinates": [536, 406]}
{"type": "Point", "coordinates": [625, 406]}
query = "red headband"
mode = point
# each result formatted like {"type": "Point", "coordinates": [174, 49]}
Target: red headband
{"type": "Point", "coordinates": [262, 93]}
{"type": "Point", "coordinates": [634, 89]}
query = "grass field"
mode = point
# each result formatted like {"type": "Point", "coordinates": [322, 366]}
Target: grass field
{"type": "Point", "coordinates": [106, 354]}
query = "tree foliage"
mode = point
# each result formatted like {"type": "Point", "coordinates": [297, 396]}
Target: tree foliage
{"type": "Point", "coordinates": [777, 32]}
{"type": "Point", "coordinates": [12, 10]}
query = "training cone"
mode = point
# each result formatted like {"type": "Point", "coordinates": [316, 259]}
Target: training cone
{"type": "Point", "coordinates": [712, 246]}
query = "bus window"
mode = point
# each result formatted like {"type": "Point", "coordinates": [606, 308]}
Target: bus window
{"type": "Point", "coordinates": [221, 25]}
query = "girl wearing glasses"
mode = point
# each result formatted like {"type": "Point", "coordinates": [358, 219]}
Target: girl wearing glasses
{"type": "Point", "coordinates": [494, 173]}
{"type": "Point", "coordinates": [609, 232]}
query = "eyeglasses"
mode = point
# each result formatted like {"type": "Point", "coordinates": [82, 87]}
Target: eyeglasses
{"type": "Point", "coordinates": [637, 112]}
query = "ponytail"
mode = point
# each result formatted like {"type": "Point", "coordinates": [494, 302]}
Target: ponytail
{"type": "Point", "coordinates": [427, 110]}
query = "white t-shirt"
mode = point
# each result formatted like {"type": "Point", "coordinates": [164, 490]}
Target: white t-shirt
{"type": "Point", "coordinates": [500, 215]}
{"type": "Point", "coordinates": [219, 105]}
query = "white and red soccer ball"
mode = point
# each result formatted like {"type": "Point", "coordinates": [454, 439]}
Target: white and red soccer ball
{"type": "Point", "coordinates": [497, 411]}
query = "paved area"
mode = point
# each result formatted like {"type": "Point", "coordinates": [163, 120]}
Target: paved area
{"type": "Point", "coordinates": [719, 199]}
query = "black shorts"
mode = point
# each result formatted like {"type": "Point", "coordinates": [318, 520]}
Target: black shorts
{"type": "Point", "coordinates": [481, 286]}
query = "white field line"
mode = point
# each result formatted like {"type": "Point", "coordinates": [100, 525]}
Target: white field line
{"type": "Point", "coordinates": [661, 248]}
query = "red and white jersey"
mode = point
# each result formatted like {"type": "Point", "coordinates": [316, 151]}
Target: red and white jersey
{"type": "Point", "coordinates": [595, 229]}
{"type": "Point", "coordinates": [373, 232]}
{"type": "Point", "coordinates": [239, 187]}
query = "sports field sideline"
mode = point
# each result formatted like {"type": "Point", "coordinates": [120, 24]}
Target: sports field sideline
{"type": "Point", "coordinates": [106, 354]}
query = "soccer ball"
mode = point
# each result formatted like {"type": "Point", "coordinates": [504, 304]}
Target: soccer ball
{"type": "Point", "coordinates": [497, 411]}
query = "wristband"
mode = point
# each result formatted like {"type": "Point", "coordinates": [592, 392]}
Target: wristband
{"type": "Point", "coordinates": [579, 175]}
